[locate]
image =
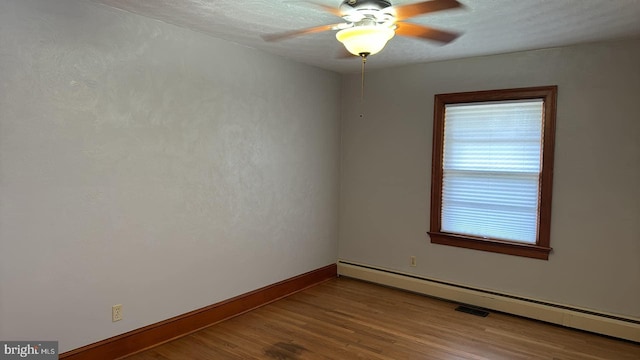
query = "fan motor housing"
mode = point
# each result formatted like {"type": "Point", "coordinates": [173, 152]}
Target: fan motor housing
{"type": "Point", "coordinates": [367, 12]}
{"type": "Point", "coordinates": [349, 5]}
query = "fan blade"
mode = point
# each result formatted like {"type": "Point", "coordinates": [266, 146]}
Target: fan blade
{"type": "Point", "coordinates": [294, 33]}
{"type": "Point", "coordinates": [424, 32]}
{"type": "Point", "coordinates": [410, 10]}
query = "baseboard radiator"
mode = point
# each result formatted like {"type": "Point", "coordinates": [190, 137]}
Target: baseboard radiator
{"type": "Point", "coordinates": [582, 319]}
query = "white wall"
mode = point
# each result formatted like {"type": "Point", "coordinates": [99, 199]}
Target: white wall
{"type": "Point", "coordinates": [595, 230]}
{"type": "Point", "coordinates": [151, 166]}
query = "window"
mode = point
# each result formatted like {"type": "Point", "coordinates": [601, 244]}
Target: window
{"type": "Point", "coordinates": [492, 170]}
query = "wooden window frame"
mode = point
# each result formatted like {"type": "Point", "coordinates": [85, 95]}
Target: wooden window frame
{"type": "Point", "coordinates": [542, 247]}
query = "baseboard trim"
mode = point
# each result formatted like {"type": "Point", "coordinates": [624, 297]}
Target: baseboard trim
{"type": "Point", "coordinates": [582, 319]}
{"type": "Point", "coordinates": [164, 331]}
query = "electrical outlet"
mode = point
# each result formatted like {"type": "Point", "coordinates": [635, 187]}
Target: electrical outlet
{"type": "Point", "coordinates": [413, 261]}
{"type": "Point", "coordinates": [116, 313]}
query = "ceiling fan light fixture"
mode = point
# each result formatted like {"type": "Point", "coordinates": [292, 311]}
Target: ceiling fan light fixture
{"type": "Point", "coordinates": [365, 39]}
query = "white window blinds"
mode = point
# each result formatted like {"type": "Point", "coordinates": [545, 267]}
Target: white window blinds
{"type": "Point", "coordinates": [491, 169]}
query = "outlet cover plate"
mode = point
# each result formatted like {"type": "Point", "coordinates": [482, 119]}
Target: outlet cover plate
{"type": "Point", "coordinates": [116, 312]}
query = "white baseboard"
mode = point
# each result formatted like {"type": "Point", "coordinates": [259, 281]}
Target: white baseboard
{"type": "Point", "coordinates": [583, 319]}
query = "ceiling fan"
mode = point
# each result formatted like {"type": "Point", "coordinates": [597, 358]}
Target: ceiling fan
{"type": "Point", "coordinates": [369, 24]}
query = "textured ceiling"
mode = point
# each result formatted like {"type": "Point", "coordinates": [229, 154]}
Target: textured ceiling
{"type": "Point", "coordinates": [488, 27]}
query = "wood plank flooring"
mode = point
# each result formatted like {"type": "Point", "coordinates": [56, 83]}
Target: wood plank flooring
{"type": "Point", "coordinates": [351, 319]}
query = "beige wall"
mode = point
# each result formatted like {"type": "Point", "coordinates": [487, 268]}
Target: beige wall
{"type": "Point", "coordinates": [595, 230]}
{"type": "Point", "coordinates": [151, 166]}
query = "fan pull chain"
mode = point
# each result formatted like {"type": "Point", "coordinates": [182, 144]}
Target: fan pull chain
{"type": "Point", "coordinates": [364, 62]}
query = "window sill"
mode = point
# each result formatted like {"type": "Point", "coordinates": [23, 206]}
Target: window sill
{"type": "Point", "coordinates": [491, 245]}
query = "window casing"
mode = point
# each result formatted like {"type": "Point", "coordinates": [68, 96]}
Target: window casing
{"type": "Point", "coordinates": [492, 170]}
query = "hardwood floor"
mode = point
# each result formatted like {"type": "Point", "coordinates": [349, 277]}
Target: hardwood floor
{"type": "Point", "coordinates": [350, 319]}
